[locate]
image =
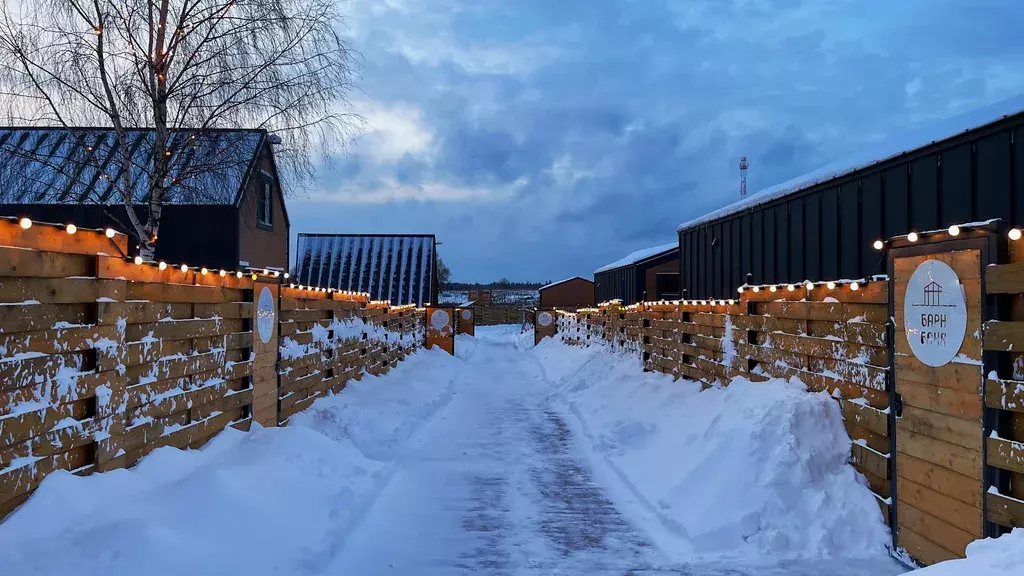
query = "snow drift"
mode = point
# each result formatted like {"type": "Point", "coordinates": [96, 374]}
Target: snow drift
{"type": "Point", "coordinates": [269, 501]}
{"type": "Point", "coordinates": [748, 469]}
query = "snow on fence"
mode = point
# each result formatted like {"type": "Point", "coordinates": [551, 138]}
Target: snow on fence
{"type": "Point", "coordinates": [103, 360]}
{"type": "Point", "coordinates": [832, 340]}
{"type": "Point", "coordinates": [329, 339]}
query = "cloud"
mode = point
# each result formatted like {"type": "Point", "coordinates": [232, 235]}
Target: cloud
{"type": "Point", "coordinates": [543, 139]}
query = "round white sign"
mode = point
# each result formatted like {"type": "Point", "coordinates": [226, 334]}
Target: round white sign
{"type": "Point", "coordinates": [935, 313]}
{"type": "Point", "coordinates": [439, 319]}
{"type": "Point", "coordinates": [467, 314]}
{"type": "Point", "coordinates": [265, 315]}
{"type": "Point", "coordinates": [545, 319]}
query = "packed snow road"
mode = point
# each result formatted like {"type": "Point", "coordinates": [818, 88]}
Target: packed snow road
{"type": "Point", "coordinates": [492, 486]}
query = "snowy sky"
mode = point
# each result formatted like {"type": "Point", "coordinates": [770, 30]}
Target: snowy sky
{"type": "Point", "coordinates": [541, 139]}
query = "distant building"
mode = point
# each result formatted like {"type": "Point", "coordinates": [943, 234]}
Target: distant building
{"type": "Point", "coordinates": [226, 210]}
{"type": "Point", "coordinates": [570, 294]}
{"type": "Point", "coordinates": [648, 274]}
{"type": "Point", "coordinates": [401, 269]}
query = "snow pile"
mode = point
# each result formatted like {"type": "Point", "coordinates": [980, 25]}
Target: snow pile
{"type": "Point", "coordinates": [989, 557]}
{"type": "Point", "coordinates": [269, 501]}
{"type": "Point", "coordinates": [746, 470]}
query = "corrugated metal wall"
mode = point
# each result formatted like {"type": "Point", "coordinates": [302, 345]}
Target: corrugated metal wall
{"type": "Point", "coordinates": [628, 283]}
{"type": "Point", "coordinates": [826, 231]}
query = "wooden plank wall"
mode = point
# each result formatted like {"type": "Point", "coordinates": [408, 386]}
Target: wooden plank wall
{"type": "Point", "coordinates": [1004, 390]}
{"type": "Point", "coordinates": [102, 361]}
{"type": "Point", "coordinates": [328, 340]}
{"type": "Point", "coordinates": [832, 340]}
{"type": "Point", "coordinates": [496, 314]}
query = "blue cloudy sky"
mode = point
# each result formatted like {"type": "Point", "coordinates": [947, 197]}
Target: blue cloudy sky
{"type": "Point", "coordinates": [540, 139]}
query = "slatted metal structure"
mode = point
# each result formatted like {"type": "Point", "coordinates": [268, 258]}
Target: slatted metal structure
{"type": "Point", "coordinates": [400, 269]}
{"type": "Point", "coordinates": [820, 226]}
{"type": "Point", "coordinates": [627, 279]}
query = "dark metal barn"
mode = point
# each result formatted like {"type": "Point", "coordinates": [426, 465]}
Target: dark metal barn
{"type": "Point", "coordinates": [821, 226]}
{"type": "Point", "coordinates": [648, 274]}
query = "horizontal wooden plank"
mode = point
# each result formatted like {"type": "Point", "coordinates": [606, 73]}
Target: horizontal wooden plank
{"type": "Point", "coordinates": [1006, 454]}
{"type": "Point", "coordinates": [956, 458]}
{"type": "Point", "coordinates": [870, 460]}
{"type": "Point", "coordinates": [947, 509]}
{"type": "Point", "coordinates": [966, 433]}
{"type": "Point", "coordinates": [1005, 394]}
{"type": "Point", "coordinates": [183, 329]}
{"type": "Point", "coordinates": [867, 417]}
{"type": "Point", "coordinates": [954, 376]}
{"type": "Point", "coordinates": [184, 293]}
{"type": "Point", "coordinates": [56, 239]}
{"type": "Point", "coordinates": [60, 340]}
{"type": "Point", "coordinates": [34, 317]}
{"type": "Point", "coordinates": [60, 290]}
{"type": "Point", "coordinates": [35, 263]}
{"type": "Point", "coordinates": [26, 478]}
{"type": "Point", "coordinates": [939, 479]}
{"type": "Point", "coordinates": [944, 534]}
{"type": "Point", "coordinates": [1005, 278]}
{"type": "Point", "coordinates": [69, 386]}
{"type": "Point", "coordinates": [1004, 510]}
{"type": "Point", "coordinates": [922, 549]}
{"type": "Point", "coordinates": [941, 400]}
{"type": "Point", "coordinates": [1003, 336]}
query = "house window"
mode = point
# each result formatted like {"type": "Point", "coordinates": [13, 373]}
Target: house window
{"type": "Point", "coordinates": [265, 206]}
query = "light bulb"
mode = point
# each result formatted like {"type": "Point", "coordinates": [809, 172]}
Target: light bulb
{"type": "Point", "coordinates": [756, 289]}
{"type": "Point", "coordinates": [912, 236]}
{"type": "Point", "coordinates": [110, 232]}
{"type": "Point", "coordinates": [71, 228]}
{"type": "Point", "coordinates": [204, 271]}
{"type": "Point", "coordinates": [791, 288]}
{"type": "Point", "coordinates": [740, 289]}
{"type": "Point", "coordinates": [1015, 234]}
{"type": "Point", "coordinates": [266, 272]}
{"type": "Point", "coordinates": [831, 285]}
{"type": "Point", "coordinates": [138, 260]}
{"type": "Point", "coordinates": [731, 301]}
{"type": "Point", "coordinates": [809, 285]}
{"type": "Point", "coordinates": [162, 265]}
{"type": "Point", "coordinates": [855, 286]}
{"type": "Point", "coordinates": [773, 288]}
{"type": "Point", "coordinates": [954, 230]}
{"type": "Point", "coordinates": [238, 274]}
{"type": "Point", "coordinates": [276, 273]}
{"type": "Point", "coordinates": [184, 268]}
{"type": "Point", "coordinates": [25, 223]}
{"type": "Point", "coordinates": [223, 273]}
{"type": "Point", "coordinates": [879, 244]}
{"type": "Point", "coordinates": [286, 275]}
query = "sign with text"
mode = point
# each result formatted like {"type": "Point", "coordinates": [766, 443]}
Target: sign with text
{"type": "Point", "coordinates": [935, 313]}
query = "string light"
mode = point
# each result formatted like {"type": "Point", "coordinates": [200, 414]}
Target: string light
{"type": "Point", "coordinates": [71, 228]}
{"type": "Point", "coordinates": [756, 289]}
{"type": "Point", "coordinates": [809, 285]}
{"type": "Point", "coordinates": [110, 232]}
{"type": "Point", "coordinates": [954, 230]}
{"type": "Point", "coordinates": [184, 268]}
{"type": "Point", "coordinates": [25, 223]}
{"type": "Point", "coordinates": [204, 271]}
{"type": "Point", "coordinates": [831, 285]}
{"type": "Point", "coordinates": [253, 275]}
{"type": "Point", "coordinates": [266, 272]}
{"type": "Point", "coordinates": [276, 273]}
{"type": "Point", "coordinates": [162, 265]}
{"type": "Point", "coordinates": [292, 285]}
{"type": "Point", "coordinates": [740, 289]}
{"type": "Point", "coordinates": [138, 260]}
{"type": "Point", "coordinates": [791, 288]}
{"type": "Point", "coordinates": [879, 244]}
{"type": "Point", "coordinates": [286, 275]}
{"type": "Point", "coordinates": [855, 286]}
{"type": "Point", "coordinates": [1015, 234]}
{"type": "Point", "coordinates": [223, 273]}
{"type": "Point", "coordinates": [773, 288]}
{"type": "Point", "coordinates": [912, 236]}
{"type": "Point", "coordinates": [238, 274]}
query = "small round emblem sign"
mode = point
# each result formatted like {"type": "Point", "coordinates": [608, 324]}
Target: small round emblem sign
{"type": "Point", "coordinates": [545, 319]}
{"type": "Point", "coordinates": [467, 314]}
{"type": "Point", "coordinates": [439, 319]}
{"type": "Point", "coordinates": [265, 315]}
{"type": "Point", "coordinates": [935, 313]}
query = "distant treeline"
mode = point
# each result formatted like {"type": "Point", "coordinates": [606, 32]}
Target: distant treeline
{"type": "Point", "coordinates": [503, 284]}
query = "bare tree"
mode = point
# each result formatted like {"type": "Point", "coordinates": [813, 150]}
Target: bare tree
{"type": "Point", "coordinates": [178, 68]}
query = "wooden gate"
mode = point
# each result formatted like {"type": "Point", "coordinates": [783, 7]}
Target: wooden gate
{"type": "Point", "coordinates": [545, 323]}
{"type": "Point", "coordinates": [441, 328]}
{"type": "Point", "coordinates": [466, 321]}
{"type": "Point", "coordinates": [937, 409]}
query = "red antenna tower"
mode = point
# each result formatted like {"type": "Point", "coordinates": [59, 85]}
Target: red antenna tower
{"type": "Point", "coordinates": [743, 176]}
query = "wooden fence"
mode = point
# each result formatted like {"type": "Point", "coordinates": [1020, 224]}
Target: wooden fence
{"type": "Point", "coordinates": [103, 360]}
{"type": "Point", "coordinates": [496, 314]}
{"type": "Point", "coordinates": [832, 340]}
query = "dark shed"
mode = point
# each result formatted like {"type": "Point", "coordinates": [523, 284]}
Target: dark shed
{"type": "Point", "coordinates": [573, 293]}
{"type": "Point", "coordinates": [401, 269]}
{"type": "Point", "coordinates": [648, 274]}
{"type": "Point", "coordinates": [226, 210]}
{"type": "Point", "coordinates": [821, 226]}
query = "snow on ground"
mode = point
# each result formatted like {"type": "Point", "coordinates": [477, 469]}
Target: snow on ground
{"type": "Point", "coordinates": [749, 471]}
{"type": "Point", "coordinates": [505, 460]}
{"type": "Point", "coordinates": [1001, 556]}
{"type": "Point", "coordinates": [269, 501]}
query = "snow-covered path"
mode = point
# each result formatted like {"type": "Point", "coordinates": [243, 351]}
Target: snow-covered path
{"type": "Point", "coordinates": [493, 486]}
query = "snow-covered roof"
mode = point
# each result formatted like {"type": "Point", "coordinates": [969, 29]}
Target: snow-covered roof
{"type": "Point", "coordinates": [887, 149]}
{"type": "Point", "coordinates": [85, 166]}
{"type": "Point", "coordinates": [638, 256]}
{"type": "Point", "coordinates": [553, 284]}
{"type": "Point", "coordinates": [399, 269]}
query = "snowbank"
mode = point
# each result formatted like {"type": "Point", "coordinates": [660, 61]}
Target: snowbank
{"type": "Point", "coordinates": [990, 557]}
{"type": "Point", "coordinates": [269, 501]}
{"type": "Point", "coordinates": [749, 470]}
